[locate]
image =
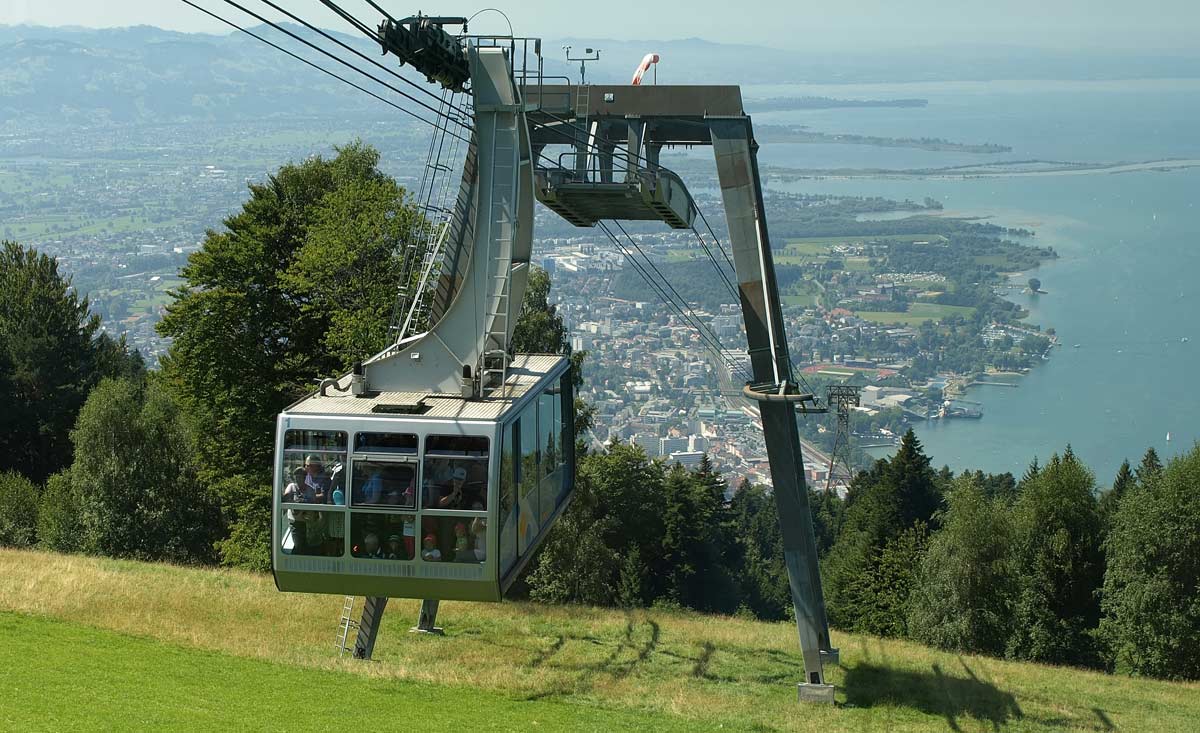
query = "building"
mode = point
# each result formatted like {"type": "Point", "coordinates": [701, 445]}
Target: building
{"type": "Point", "coordinates": [687, 458]}
{"type": "Point", "coordinates": [667, 446]}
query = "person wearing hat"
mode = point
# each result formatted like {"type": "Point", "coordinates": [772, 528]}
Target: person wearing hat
{"type": "Point", "coordinates": [393, 550]}
{"type": "Point", "coordinates": [429, 549]}
{"type": "Point", "coordinates": [449, 496]}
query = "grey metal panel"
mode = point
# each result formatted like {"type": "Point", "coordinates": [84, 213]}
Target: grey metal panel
{"type": "Point", "coordinates": [525, 373]}
{"type": "Point", "coordinates": [666, 100]}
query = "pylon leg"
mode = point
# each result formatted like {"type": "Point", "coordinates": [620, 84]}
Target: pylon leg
{"type": "Point", "coordinates": [426, 622]}
{"type": "Point", "coordinates": [368, 626]}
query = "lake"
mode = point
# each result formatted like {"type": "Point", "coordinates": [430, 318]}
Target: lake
{"type": "Point", "coordinates": [1125, 286]}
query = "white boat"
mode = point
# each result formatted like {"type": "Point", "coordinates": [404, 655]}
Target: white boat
{"type": "Point", "coordinates": [1168, 436]}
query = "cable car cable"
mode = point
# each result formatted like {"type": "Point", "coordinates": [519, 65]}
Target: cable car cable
{"type": "Point", "coordinates": [385, 13]}
{"type": "Point", "coordinates": [353, 50]}
{"type": "Point", "coordinates": [626, 157]}
{"type": "Point", "coordinates": [681, 299]}
{"type": "Point", "coordinates": [677, 302]}
{"type": "Point", "coordinates": [338, 59]}
{"type": "Point", "coordinates": [303, 60]}
{"type": "Point", "coordinates": [707, 342]}
{"type": "Point", "coordinates": [708, 339]}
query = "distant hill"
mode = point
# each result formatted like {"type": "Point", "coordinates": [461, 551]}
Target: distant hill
{"type": "Point", "coordinates": [173, 647]}
{"type": "Point", "coordinates": [146, 74]}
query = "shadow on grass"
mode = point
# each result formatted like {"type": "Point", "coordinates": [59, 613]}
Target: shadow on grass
{"type": "Point", "coordinates": [611, 666]}
{"type": "Point", "coordinates": [934, 692]}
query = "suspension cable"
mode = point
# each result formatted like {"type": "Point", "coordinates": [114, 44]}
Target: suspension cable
{"type": "Point", "coordinates": [791, 374]}
{"type": "Point", "coordinates": [336, 58]}
{"type": "Point", "coordinates": [676, 303]}
{"type": "Point", "coordinates": [717, 349]}
{"type": "Point", "coordinates": [382, 12]}
{"type": "Point", "coordinates": [303, 60]}
{"type": "Point", "coordinates": [372, 35]}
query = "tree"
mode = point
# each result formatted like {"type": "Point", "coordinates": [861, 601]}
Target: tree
{"type": "Point", "coordinates": [1058, 561]}
{"type": "Point", "coordinates": [135, 476]}
{"type": "Point", "coordinates": [59, 527]}
{"type": "Point", "coordinates": [758, 552]}
{"type": "Point", "coordinates": [1150, 469]}
{"type": "Point", "coordinates": [52, 352]}
{"type": "Point", "coordinates": [1111, 499]}
{"type": "Point", "coordinates": [888, 511]}
{"type": "Point", "coordinates": [617, 512]}
{"type": "Point", "coordinates": [696, 541]}
{"type": "Point", "coordinates": [1035, 285]}
{"type": "Point", "coordinates": [18, 510]}
{"type": "Point", "coordinates": [541, 330]}
{"type": "Point", "coordinates": [299, 285]}
{"type": "Point", "coordinates": [966, 584]}
{"type": "Point", "coordinates": [1151, 603]}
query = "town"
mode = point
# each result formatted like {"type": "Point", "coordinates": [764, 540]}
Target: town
{"type": "Point", "coordinates": [911, 309]}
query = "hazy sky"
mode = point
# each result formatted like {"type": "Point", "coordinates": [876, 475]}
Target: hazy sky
{"type": "Point", "coordinates": [849, 25]}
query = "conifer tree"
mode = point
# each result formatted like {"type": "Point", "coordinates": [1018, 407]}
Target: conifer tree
{"type": "Point", "coordinates": [1150, 468]}
{"type": "Point", "coordinates": [887, 518]}
{"type": "Point", "coordinates": [1111, 499]}
{"type": "Point", "coordinates": [52, 352]}
{"type": "Point", "coordinates": [1059, 565]}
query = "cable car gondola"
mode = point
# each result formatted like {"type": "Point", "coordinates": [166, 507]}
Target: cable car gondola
{"type": "Point", "coordinates": [409, 495]}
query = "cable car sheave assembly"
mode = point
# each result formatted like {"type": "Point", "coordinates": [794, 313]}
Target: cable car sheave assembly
{"type": "Point", "coordinates": [435, 469]}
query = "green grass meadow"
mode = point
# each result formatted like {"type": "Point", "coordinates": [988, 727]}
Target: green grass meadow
{"type": "Point", "coordinates": [917, 314]}
{"type": "Point", "coordinates": [64, 676]}
{"type": "Point", "coordinates": [97, 644]}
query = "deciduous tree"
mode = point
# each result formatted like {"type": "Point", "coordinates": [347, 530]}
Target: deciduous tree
{"type": "Point", "coordinates": [135, 477]}
{"type": "Point", "coordinates": [18, 510]}
{"type": "Point", "coordinates": [1151, 603]}
{"type": "Point", "coordinates": [298, 285]}
{"type": "Point", "coordinates": [966, 585]}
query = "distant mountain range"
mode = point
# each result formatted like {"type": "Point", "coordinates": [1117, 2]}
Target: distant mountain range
{"type": "Point", "coordinates": [146, 74]}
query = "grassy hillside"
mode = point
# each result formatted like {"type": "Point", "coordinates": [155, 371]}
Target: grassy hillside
{"type": "Point", "coordinates": [180, 646]}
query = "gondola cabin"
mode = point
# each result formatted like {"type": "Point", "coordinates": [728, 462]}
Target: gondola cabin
{"type": "Point", "coordinates": [422, 495]}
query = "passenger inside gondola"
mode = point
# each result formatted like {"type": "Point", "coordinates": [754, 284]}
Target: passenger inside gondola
{"type": "Point", "coordinates": [316, 478]}
{"type": "Point", "coordinates": [382, 483]}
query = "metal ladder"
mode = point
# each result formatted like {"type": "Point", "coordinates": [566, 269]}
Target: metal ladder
{"type": "Point", "coordinates": [345, 625]}
{"type": "Point", "coordinates": [581, 123]}
{"type": "Point", "coordinates": [502, 230]}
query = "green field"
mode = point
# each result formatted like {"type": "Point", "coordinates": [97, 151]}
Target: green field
{"type": "Point", "coordinates": [101, 644]}
{"type": "Point", "coordinates": [917, 313]}
{"type": "Point", "coordinates": [65, 676]}
{"type": "Point", "coordinates": [800, 300]}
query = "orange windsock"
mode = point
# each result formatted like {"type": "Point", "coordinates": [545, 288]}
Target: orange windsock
{"type": "Point", "coordinates": [647, 61]}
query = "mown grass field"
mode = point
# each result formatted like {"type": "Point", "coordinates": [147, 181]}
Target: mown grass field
{"type": "Point", "coordinates": [917, 313]}
{"type": "Point", "coordinates": [102, 644]}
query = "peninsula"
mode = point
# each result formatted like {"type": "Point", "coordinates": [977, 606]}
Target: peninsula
{"type": "Point", "coordinates": [801, 134]}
